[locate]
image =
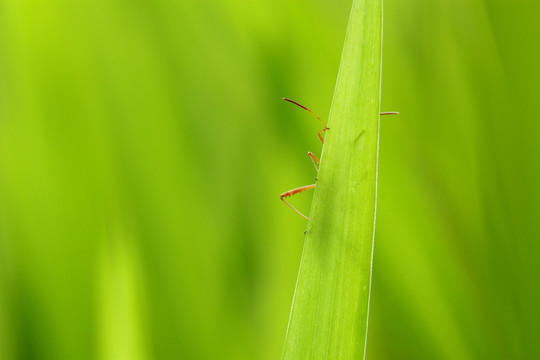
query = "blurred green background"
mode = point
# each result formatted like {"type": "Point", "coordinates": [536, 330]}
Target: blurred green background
{"type": "Point", "coordinates": [144, 145]}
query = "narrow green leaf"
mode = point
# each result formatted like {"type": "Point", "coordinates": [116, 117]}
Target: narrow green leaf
{"type": "Point", "coordinates": [329, 313]}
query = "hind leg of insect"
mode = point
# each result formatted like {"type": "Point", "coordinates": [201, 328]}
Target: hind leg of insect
{"type": "Point", "coordinates": [292, 192]}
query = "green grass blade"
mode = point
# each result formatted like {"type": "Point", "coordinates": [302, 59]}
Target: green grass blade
{"type": "Point", "coordinates": [329, 313]}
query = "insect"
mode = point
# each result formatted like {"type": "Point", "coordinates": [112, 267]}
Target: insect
{"type": "Point", "coordinates": [313, 158]}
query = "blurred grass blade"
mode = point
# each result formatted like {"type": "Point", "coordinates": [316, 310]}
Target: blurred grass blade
{"type": "Point", "coordinates": [329, 313]}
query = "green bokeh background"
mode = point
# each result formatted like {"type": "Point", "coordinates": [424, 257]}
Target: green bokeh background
{"type": "Point", "coordinates": [144, 145]}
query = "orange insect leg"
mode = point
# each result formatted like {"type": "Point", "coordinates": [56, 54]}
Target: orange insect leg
{"type": "Point", "coordinates": [314, 159]}
{"type": "Point", "coordinates": [294, 192]}
{"type": "Point", "coordinates": [312, 113]}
